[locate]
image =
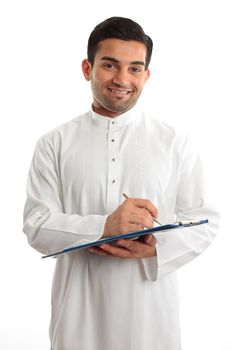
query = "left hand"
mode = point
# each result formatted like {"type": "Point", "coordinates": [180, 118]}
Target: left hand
{"type": "Point", "coordinates": [144, 247]}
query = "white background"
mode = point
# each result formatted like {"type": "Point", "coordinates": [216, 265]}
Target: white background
{"type": "Point", "coordinates": [42, 45]}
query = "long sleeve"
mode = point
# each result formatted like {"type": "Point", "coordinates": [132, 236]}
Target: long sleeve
{"type": "Point", "coordinates": [47, 226]}
{"type": "Point", "coordinates": [178, 247]}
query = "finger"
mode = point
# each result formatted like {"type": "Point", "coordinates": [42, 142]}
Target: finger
{"type": "Point", "coordinates": [149, 239]}
{"type": "Point", "coordinates": [130, 227]}
{"type": "Point", "coordinates": [142, 217]}
{"type": "Point", "coordinates": [146, 204]}
{"type": "Point", "coordinates": [116, 251]}
{"type": "Point", "coordinates": [136, 248]}
{"type": "Point", "coordinates": [98, 251]}
{"type": "Point", "coordinates": [130, 249]}
{"type": "Point", "coordinates": [127, 243]}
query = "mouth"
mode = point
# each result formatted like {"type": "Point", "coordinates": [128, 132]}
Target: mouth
{"type": "Point", "coordinates": [120, 92]}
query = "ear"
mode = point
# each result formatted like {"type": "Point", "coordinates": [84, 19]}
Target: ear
{"type": "Point", "coordinates": [147, 74]}
{"type": "Point", "coordinates": [86, 68]}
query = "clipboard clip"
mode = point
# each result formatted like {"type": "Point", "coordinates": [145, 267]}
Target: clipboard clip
{"type": "Point", "coordinates": [184, 223]}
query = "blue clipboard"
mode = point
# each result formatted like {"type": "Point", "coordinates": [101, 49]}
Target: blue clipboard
{"type": "Point", "coordinates": [180, 224]}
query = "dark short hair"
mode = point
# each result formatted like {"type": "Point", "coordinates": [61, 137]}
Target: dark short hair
{"type": "Point", "coordinates": [118, 28]}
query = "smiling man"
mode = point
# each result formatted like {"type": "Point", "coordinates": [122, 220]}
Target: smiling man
{"type": "Point", "coordinates": [117, 75]}
{"type": "Point", "coordinates": [123, 296]}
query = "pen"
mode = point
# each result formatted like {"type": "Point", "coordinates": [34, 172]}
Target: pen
{"type": "Point", "coordinates": [154, 219]}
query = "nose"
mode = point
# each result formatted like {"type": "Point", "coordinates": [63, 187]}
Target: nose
{"type": "Point", "coordinates": [121, 77]}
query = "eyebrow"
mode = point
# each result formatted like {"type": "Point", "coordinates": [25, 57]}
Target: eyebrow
{"type": "Point", "coordinates": [114, 60]}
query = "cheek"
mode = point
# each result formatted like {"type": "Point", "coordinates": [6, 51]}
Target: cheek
{"type": "Point", "coordinates": [99, 77]}
{"type": "Point", "coordinates": [139, 85]}
{"type": "Point", "coordinates": [139, 82]}
{"type": "Point", "coordinates": [97, 83]}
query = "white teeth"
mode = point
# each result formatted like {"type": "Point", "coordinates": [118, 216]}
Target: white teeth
{"type": "Point", "coordinates": [120, 92]}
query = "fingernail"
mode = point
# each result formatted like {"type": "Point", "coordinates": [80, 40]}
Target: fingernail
{"type": "Point", "coordinates": [121, 242]}
{"type": "Point", "coordinates": [103, 246]}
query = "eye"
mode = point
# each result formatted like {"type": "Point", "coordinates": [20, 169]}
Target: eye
{"type": "Point", "coordinates": [136, 70]}
{"type": "Point", "coordinates": [109, 66]}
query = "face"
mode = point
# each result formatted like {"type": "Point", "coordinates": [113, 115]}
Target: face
{"type": "Point", "coordinates": [117, 76]}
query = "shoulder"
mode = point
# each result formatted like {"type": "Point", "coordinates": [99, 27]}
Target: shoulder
{"type": "Point", "coordinates": [169, 135]}
{"type": "Point", "coordinates": [62, 132]}
{"type": "Point", "coordinates": [158, 128]}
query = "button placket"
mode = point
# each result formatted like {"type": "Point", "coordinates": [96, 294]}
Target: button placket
{"type": "Point", "coordinates": [112, 185]}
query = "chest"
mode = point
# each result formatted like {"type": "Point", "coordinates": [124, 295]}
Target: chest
{"type": "Point", "coordinates": [101, 165]}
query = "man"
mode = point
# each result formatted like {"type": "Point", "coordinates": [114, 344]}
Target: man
{"type": "Point", "coordinates": [123, 296]}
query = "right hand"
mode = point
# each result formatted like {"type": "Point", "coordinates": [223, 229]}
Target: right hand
{"type": "Point", "coordinates": [134, 214]}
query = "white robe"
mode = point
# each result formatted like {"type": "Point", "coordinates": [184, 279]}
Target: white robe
{"type": "Point", "coordinates": [78, 174]}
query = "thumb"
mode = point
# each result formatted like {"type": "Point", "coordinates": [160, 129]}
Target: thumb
{"type": "Point", "coordinates": [150, 240]}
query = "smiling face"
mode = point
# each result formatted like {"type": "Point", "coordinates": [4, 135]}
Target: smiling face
{"type": "Point", "coordinates": [117, 76]}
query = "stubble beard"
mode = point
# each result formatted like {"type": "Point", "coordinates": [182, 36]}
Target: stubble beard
{"type": "Point", "coordinates": [116, 104]}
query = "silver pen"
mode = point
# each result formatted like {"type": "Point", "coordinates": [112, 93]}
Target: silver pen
{"type": "Point", "coordinates": [154, 219]}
